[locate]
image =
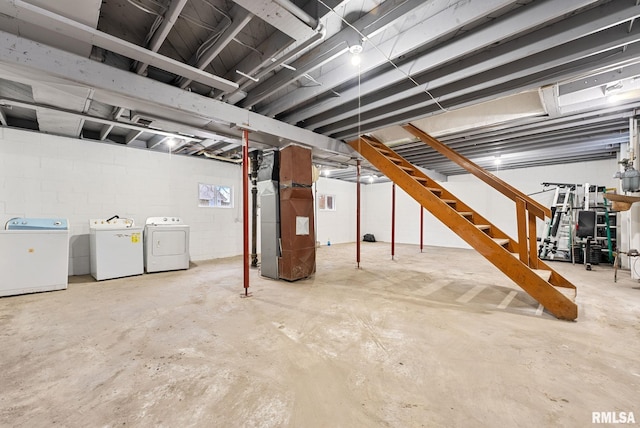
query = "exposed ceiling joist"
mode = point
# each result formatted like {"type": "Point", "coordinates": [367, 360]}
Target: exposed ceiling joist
{"type": "Point", "coordinates": [23, 11]}
{"type": "Point", "coordinates": [149, 94]}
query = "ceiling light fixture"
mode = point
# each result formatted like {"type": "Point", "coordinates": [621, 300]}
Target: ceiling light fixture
{"type": "Point", "coordinates": [247, 76]}
{"type": "Point", "coordinates": [355, 50]}
{"type": "Point", "coordinates": [613, 87]}
{"type": "Point", "coordinates": [497, 160]}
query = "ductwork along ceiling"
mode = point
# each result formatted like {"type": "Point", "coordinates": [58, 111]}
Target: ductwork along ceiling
{"type": "Point", "coordinates": [534, 82]}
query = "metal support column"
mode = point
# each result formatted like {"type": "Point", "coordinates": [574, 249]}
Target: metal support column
{"type": "Point", "coordinates": [254, 206]}
{"type": "Point", "coordinates": [358, 238]}
{"type": "Point", "coordinates": [421, 227]}
{"type": "Point", "coordinates": [393, 220]}
{"type": "Point", "coordinates": [245, 208]}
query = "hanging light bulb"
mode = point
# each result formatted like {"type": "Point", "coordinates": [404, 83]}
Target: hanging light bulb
{"type": "Point", "coordinates": [355, 50]}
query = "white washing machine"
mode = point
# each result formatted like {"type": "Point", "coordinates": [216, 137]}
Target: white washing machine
{"type": "Point", "coordinates": [34, 255]}
{"type": "Point", "coordinates": [115, 248]}
{"type": "Point", "coordinates": [166, 244]}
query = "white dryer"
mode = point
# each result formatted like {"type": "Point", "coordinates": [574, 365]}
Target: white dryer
{"type": "Point", "coordinates": [115, 248]}
{"type": "Point", "coordinates": [34, 255]}
{"type": "Point", "coordinates": [166, 244]}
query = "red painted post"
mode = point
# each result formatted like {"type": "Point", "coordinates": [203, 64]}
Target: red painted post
{"type": "Point", "coordinates": [393, 220]}
{"type": "Point", "coordinates": [358, 238]}
{"type": "Point", "coordinates": [245, 208]}
{"type": "Point", "coordinates": [421, 227]}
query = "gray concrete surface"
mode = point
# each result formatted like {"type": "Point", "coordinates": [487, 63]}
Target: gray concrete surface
{"type": "Point", "coordinates": [433, 339]}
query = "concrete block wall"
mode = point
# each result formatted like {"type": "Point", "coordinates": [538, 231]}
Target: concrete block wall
{"type": "Point", "coordinates": [50, 176]}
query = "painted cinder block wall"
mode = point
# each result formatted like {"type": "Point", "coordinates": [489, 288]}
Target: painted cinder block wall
{"type": "Point", "coordinates": [49, 176]}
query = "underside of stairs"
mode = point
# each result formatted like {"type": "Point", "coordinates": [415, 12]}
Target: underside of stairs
{"type": "Point", "coordinates": [518, 259]}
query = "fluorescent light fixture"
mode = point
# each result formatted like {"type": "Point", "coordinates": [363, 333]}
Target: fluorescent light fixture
{"type": "Point", "coordinates": [247, 76]}
{"type": "Point", "coordinates": [497, 160]}
{"type": "Point", "coordinates": [613, 87]}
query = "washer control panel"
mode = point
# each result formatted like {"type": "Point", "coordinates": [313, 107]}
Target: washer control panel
{"type": "Point", "coordinates": [112, 223]}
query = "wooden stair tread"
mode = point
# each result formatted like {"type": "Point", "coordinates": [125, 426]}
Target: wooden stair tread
{"type": "Point", "coordinates": [382, 149]}
{"type": "Point", "coordinates": [434, 190]}
{"type": "Point", "coordinates": [543, 273]}
{"type": "Point", "coordinates": [483, 226]}
{"type": "Point", "coordinates": [569, 293]}
{"type": "Point", "coordinates": [406, 168]}
{"type": "Point", "coordinates": [424, 179]}
{"type": "Point", "coordinates": [394, 159]}
{"type": "Point", "coordinates": [465, 213]}
{"type": "Point", "coordinates": [449, 201]}
{"type": "Point", "coordinates": [501, 241]}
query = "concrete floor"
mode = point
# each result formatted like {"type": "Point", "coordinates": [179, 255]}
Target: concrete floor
{"type": "Point", "coordinates": [426, 340]}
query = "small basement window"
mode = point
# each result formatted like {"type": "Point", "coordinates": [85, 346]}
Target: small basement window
{"type": "Point", "coordinates": [211, 195]}
{"type": "Point", "coordinates": [326, 202]}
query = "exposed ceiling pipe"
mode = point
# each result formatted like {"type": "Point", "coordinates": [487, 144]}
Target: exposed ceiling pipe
{"type": "Point", "coordinates": [240, 20]}
{"type": "Point", "coordinates": [220, 158]}
{"type": "Point", "coordinates": [270, 64]}
{"type": "Point", "coordinates": [175, 8]}
{"type": "Point", "coordinates": [290, 76]}
{"type": "Point", "coordinates": [279, 17]}
{"type": "Point", "coordinates": [306, 45]}
{"type": "Point", "coordinates": [298, 13]}
{"type": "Point", "coordinates": [40, 17]}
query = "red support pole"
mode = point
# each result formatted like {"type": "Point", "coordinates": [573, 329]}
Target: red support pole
{"type": "Point", "coordinates": [245, 208]}
{"type": "Point", "coordinates": [358, 212]}
{"type": "Point", "coordinates": [421, 227]}
{"type": "Point", "coordinates": [393, 220]}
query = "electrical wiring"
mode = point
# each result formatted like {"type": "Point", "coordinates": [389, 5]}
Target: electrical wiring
{"type": "Point", "coordinates": [389, 60]}
{"type": "Point", "coordinates": [247, 46]}
{"type": "Point", "coordinates": [144, 8]}
{"type": "Point", "coordinates": [216, 8]}
{"type": "Point", "coordinates": [197, 22]}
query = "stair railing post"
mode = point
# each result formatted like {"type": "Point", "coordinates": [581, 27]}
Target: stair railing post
{"type": "Point", "coordinates": [521, 217]}
{"type": "Point", "coordinates": [533, 242]}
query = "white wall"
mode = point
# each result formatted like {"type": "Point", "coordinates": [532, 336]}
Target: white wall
{"type": "Point", "coordinates": [49, 176]}
{"type": "Point", "coordinates": [339, 226]}
{"type": "Point", "coordinates": [479, 196]}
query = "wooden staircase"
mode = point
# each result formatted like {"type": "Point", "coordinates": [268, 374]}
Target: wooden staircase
{"type": "Point", "coordinates": [516, 259]}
